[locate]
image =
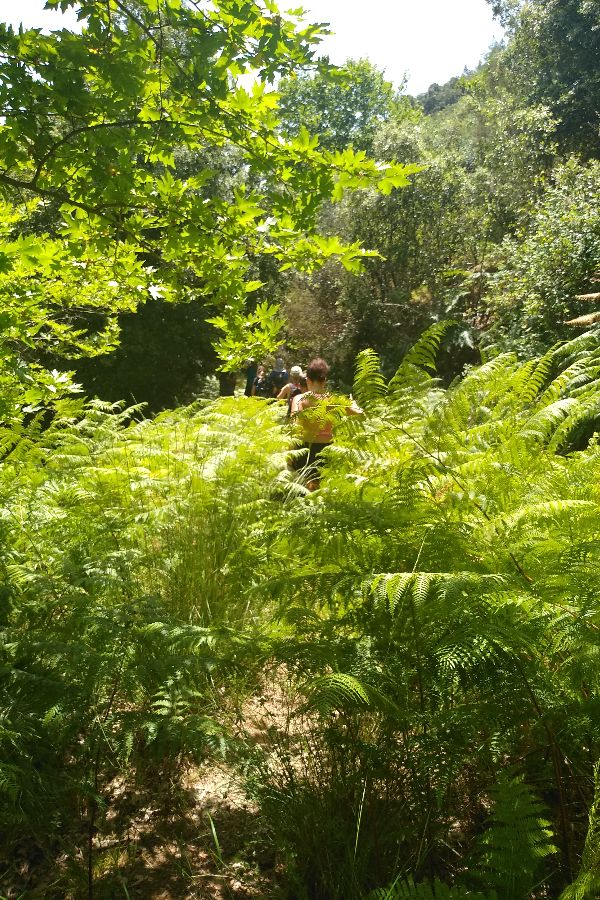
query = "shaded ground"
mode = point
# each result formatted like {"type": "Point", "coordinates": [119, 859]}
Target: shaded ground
{"type": "Point", "coordinates": [196, 839]}
{"type": "Point", "coordinates": [196, 836]}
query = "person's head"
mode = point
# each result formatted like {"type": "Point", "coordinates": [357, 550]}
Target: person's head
{"type": "Point", "coordinates": [296, 374]}
{"type": "Point", "coordinates": [316, 373]}
{"type": "Point", "coordinates": [260, 372]}
{"type": "Point", "coordinates": [279, 364]}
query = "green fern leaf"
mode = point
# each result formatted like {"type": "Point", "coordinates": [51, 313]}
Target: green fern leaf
{"type": "Point", "coordinates": [517, 841]}
{"type": "Point", "coordinates": [337, 691]}
{"type": "Point", "coordinates": [369, 384]}
{"type": "Point", "coordinates": [587, 884]}
{"type": "Point", "coordinates": [406, 889]}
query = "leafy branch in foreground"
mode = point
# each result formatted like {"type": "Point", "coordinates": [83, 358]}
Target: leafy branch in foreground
{"type": "Point", "coordinates": [92, 125]}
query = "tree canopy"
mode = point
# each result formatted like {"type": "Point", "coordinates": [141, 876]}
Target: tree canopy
{"type": "Point", "coordinates": [92, 124]}
{"type": "Point", "coordinates": [553, 58]}
{"type": "Point", "coordinates": [343, 106]}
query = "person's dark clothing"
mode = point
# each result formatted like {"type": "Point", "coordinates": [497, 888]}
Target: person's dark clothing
{"type": "Point", "coordinates": [250, 376]}
{"type": "Point", "coordinates": [262, 386]}
{"type": "Point", "coordinates": [277, 379]}
{"type": "Point", "coordinates": [310, 461]}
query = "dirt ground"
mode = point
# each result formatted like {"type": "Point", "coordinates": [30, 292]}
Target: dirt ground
{"type": "Point", "coordinates": [196, 839]}
{"type": "Point", "coordinates": [196, 836]}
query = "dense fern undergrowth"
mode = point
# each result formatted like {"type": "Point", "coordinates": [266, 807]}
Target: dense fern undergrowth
{"type": "Point", "coordinates": [428, 621]}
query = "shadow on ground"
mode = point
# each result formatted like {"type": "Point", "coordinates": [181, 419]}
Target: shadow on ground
{"type": "Point", "coordinates": [195, 838]}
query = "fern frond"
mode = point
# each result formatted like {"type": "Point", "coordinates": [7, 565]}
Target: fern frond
{"type": "Point", "coordinates": [583, 417]}
{"type": "Point", "coordinates": [389, 589]}
{"type": "Point", "coordinates": [415, 373]}
{"type": "Point", "coordinates": [531, 378]}
{"type": "Point", "coordinates": [517, 841]}
{"type": "Point", "coordinates": [424, 352]}
{"type": "Point", "coordinates": [541, 425]}
{"type": "Point", "coordinates": [587, 884]}
{"type": "Point", "coordinates": [336, 691]}
{"type": "Point", "coordinates": [406, 889]}
{"type": "Point", "coordinates": [533, 514]}
{"type": "Point", "coordinates": [369, 384]}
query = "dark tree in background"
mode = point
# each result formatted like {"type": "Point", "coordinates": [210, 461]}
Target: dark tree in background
{"type": "Point", "coordinates": [164, 352]}
{"type": "Point", "coordinates": [439, 96]}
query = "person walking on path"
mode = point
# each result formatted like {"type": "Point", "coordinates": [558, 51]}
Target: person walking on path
{"type": "Point", "coordinates": [278, 376]}
{"type": "Point", "coordinates": [296, 385]}
{"type": "Point", "coordinates": [262, 385]}
{"type": "Point", "coordinates": [316, 419]}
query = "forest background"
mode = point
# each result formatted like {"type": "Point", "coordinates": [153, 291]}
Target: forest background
{"type": "Point", "coordinates": [499, 148]}
{"type": "Point", "coordinates": [410, 707]}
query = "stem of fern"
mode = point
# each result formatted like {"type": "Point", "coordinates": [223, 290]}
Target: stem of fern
{"type": "Point", "coordinates": [427, 835]}
{"type": "Point", "coordinates": [554, 751]}
{"type": "Point", "coordinates": [94, 803]}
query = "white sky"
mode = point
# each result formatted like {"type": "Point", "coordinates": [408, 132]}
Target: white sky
{"type": "Point", "coordinates": [430, 40]}
{"type": "Point", "coordinates": [33, 15]}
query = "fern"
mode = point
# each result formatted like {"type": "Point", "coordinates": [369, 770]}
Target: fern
{"type": "Point", "coordinates": [587, 883]}
{"type": "Point", "coordinates": [424, 352]}
{"type": "Point", "coordinates": [336, 691]}
{"type": "Point", "coordinates": [517, 841]}
{"type": "Point", "coordinates": [406, 889]}
{"type": "Point", "coordinates": [424, 620]}
{"type": "Point", "coordinates": [369, 383]}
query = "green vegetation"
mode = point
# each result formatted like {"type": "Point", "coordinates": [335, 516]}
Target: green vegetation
{"type": "Point", "coordinates": [93, 123]}
{"type": "Point", "coordinates": [213, 681]}
{"type": "Point", "coordinates": [433, 646]}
